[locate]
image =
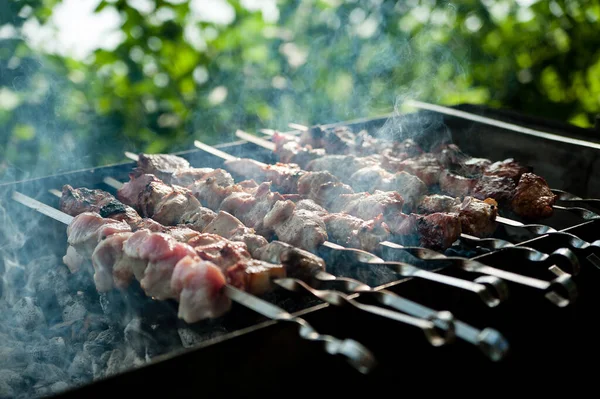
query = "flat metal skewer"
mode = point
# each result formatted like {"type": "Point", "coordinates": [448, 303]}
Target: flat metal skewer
{"type": "Point", "coordinates": [354, 352]}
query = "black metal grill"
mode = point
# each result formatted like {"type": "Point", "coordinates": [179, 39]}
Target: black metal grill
{"type": "Point", "coordinates": [258, 356]}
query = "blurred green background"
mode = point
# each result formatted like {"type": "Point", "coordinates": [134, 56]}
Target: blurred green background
{"type": "Point", "coordinates": [155, 75]}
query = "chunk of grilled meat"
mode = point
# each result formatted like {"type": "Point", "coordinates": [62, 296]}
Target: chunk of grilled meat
{"type": "Point", "coordinates": [171, 169]}
{"type": "Point", "coordinates": [507, 168]}
{"type": "Point", "coordinates": [500, 188]}
{"type": "Point", "coordinates": [354, 232]}
{"type": "Point", "coordinates": [298, 262]}
{"type": "Point", "coordinates": [438, 230]}
{"type": "Point", "coordinates": [456, 185]}
{"type": "Point", "coordinates": [343, 166]}
{"type": "Point", "coordinates": [533, 199]}
{"type": "Point", "coordinates": [477, 217]}
{"type": "Point", "coordinates": [75, 201]}
{"type": "Point", "coordinates": [284, 176]}
{"type": "Point", "coordinates": [167, 204]}
{"type": "Point", "coordinates": [425, 166]}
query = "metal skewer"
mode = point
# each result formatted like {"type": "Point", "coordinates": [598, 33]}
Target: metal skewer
{"type": "Point", "coordinates": [481, 286]}
{"type": "Point", "coordinates": [354, 352]}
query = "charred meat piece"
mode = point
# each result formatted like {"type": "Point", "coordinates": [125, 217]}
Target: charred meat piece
{"type": "Point", "coordinates": [507, 168]}
{"type": "Point", "coordinates": [456, 185]}
{"type": "Point", "coordinates": [533, 198]}
{"type": "Point", "coordinates": [497, 187]}
{"type": "Point", "coordinates": [254, 275]}
{"type": "Point", "coordinates": [477, 217]}
{"type": "Point", "coordinates": [354, 232]}
{"type": "Point", "coordinates": [438, 230]}
{"type": "Point", "coordinates": [75, 201]}
{"type": "Point", "coordinates": [448, 154]}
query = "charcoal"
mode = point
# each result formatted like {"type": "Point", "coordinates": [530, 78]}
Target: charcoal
{"type": "Point", "coordinates": [27, 314]}
{"type": "Point", "coordinates": [114, 364]}
{"type": "Point", "coordinates": [81, 366]}
{"type": "Point", "coordinates": [58, 387]}
{"type": "Point", "coordinates": [46, 373]}
{"type": "Point", "coordinates": [189, 338]}
{"type": "Point", "coordinates": [15, 278]}
{"type": "Point", "coordinates": [12, 378]}
{"type": "Point", "coordinates": [74, 309]}
{"type": "Point", "coordinates": [13, 357]}
{"type": "Point", "coordinates": [53, 351]}
{"type": "Point", "coordinates": [6, 390]}
{"type": "Point", "coordinates": [137, 336]}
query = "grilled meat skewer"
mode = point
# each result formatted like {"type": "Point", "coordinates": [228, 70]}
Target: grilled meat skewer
{"type": "Point", "coordinates": [510, 183]}
{"type": "Point", "coordinates": [299, 263]}
{"type": "Point", "coordinates": [197, 285]}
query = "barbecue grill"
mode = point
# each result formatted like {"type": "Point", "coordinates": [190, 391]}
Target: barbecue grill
{"type": "Point", "coordinates": [246, 353]}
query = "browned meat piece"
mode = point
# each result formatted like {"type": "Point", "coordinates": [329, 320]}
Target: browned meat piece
{"type": "Point", "coordinates": [371, 178]}
{"type": "Point", "coordinates": [76, 201]}
{"type": "Point", "coordinates": [448, 154]}
{"type": "Point", "coordinates": [87, 229]}
{"type": "Point", "coordinates": [254, 276]}
{"type": "Point", "coordinates": [475, 166]}
{"type": "Point", "coordinates": [290, 149]}
{"type": "Point", "coordinates": [410, 187]}
{"type": "Point", "coordinates": [426, 167]}
{"type": "Point", "coordinates": [131, 191]}
{"type": "Point", "coordinates": [533, 198]}
{"type": "Point", "coordinates": [477, 217]}
{"type": "Point", "coordinates": [437, 203]}
{"type": "Point", "coordinates": [312, 206]}
{"type": "Point", "coordinates": [171, 169]}
{"type": "Point", "coordinates": [283, 176]}
{"type": "Point", "coordinates": [309, 185]}
{"type": "Point", "coordinates": [343, 166]}
{"type": "Point", "coordinates": [367, 206]}
{"type": "Point", "coordinates": [497, 187]}
{"type": "Point", "coordinates": [507, 168]}
{"type": "Point", "coordinates": [392, 157]}
{"type": "Point", "coordinates": [251, 208]}
{"type": "Point", "coordinates": [329, 193]}
{"type": "Point", "coordinates": [401, 224]}
{"type": "Point", "coordinates": [213, 188]}
{"type": "Point", "coordinates": [354, 232]}
{"type": "Point", "coordinates": [438, 230]}
{"type": "Point", "coordinates": [230, 227]}
{"type": "Point", "coordinates": [456, 185]}
{"type": "Point", "coordinates": [299, 227]}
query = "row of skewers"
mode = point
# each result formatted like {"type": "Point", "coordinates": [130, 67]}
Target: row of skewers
{"type": "Point", "coordinates": [197, 236]}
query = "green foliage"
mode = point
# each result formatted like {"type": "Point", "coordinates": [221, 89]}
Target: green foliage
{"type": "Point", "coordinates": [174, 78]}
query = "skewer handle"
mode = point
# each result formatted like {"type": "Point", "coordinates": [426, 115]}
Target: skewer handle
{"type": "Point", "coordinates": [433, 336]}
{"type": "Point", "coordinates": [355, 353]}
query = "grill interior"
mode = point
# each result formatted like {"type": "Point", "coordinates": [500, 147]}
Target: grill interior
{"type": "Point", "coordinates": [261, 356]}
